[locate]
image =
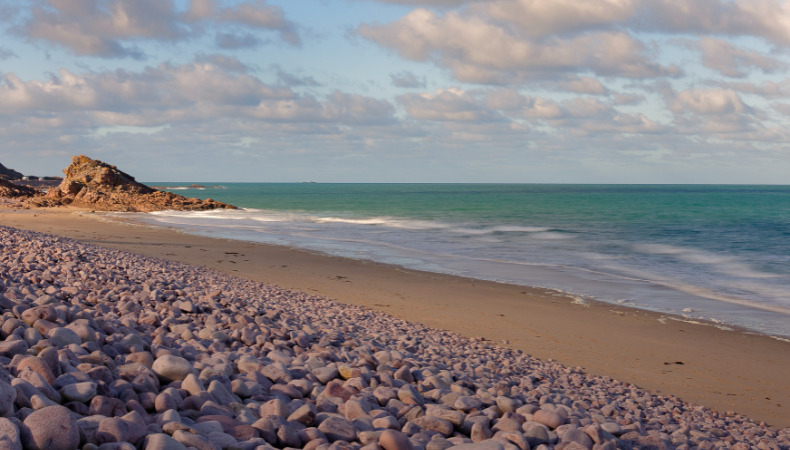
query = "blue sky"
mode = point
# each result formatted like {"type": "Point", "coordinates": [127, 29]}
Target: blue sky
{"type": "Point", "coordinates": [599, 91]}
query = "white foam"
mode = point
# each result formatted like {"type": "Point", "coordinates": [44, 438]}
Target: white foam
{"type": "Point", "coordinates": [580, 301]}
{"type": "Point", "coordinates": [725, 264]}
{"type": "Point", "coordinates": [535, 256]}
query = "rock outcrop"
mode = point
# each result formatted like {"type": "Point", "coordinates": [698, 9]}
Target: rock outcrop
{"type": "Point", "coordinates": [9, 174]}
{"type": "Point", "coordinates": [93, 184]}
{"type": "Point", "coordinates": [9, 189]}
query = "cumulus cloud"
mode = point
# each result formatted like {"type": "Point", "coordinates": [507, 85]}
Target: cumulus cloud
{"type": "Point", "coordinates": [515, 105]}
{"type": "Point", "coordinates": [516, 41]}
{"type": "Point", "coordinates": [407, 80]}
{"type": "Point", "coordinates": [511, 110]}
{"type": "Point", "coordinates": [112, 28]}
{"type": "Point", "coordinates": [715, 112]}
{"type": "Point", "coordinates": [582, 85]}
{"type": "Point", "coordinates": [587, 116]}
{"type": "Point", "coordinates": [224, 62]}
{"type": "Point", "coordinates": [477, 49]}
{"type": "Point", "coordinates": [428, 3]}
{"type": "Point", "coordinates": [731, 61]}
{"type": "Point", "coordinates": [190, 93]}
{"type": "Point", "coordinates": [452, 104]}
{"type": "Point", "coordinates": [541, 18]}
{"type": "Point", "coordinates": [766, 19]}
{"type": "Point", "coordinates": [709, 101]}
{"type": "Point", "coordinates": [258, 14]}
{"type": "Point", "coordinates": [200, 10]}
{"type": "Point", "coordinates": [95, 27]}
{"type": "Point", "coordinates": [768, 89]}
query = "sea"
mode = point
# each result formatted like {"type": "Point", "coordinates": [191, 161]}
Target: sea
{"type": "Point", "coordinates": [714, 254]}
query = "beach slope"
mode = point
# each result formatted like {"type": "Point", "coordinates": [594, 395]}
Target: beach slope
{"type": "Point", "coordinates": [729, 371]}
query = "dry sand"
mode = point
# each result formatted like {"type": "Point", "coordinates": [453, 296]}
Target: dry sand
{"type": "Point", "coordinates": [723, 370]}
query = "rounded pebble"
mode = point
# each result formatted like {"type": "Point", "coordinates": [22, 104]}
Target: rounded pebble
{"type": "Point", "coordinates": [50, 428]}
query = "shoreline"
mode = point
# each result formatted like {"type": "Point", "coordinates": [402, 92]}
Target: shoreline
{"type": "Point", "coordinates": [724, 370]}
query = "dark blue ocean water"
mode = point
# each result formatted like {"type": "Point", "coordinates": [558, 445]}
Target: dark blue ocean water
{"type": "Point", "coordinates": [718, 253]}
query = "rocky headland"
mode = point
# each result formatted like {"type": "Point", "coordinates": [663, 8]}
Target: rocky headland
{"type": "Point", "coordinates": [9, 174]}
{"type": "Point", "coordinates": [89, 183]}
{"type": "Point", "coordinates": [106, 349]}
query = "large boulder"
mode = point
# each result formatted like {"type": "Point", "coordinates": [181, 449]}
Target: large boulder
{"type": "Point", "coordinates": [93, 184]}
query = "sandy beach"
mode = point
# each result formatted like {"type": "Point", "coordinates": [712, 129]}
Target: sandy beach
{"type": "Point", "coordinates": [728, 371]}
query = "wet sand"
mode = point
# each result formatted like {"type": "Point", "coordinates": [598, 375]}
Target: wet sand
{"type": "Point", "coordinates": [723, 370]}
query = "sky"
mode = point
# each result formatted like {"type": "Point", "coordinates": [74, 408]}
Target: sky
{"type": "Point", "coordinates": [523, 91]}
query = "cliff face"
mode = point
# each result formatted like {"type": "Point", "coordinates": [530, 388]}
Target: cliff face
{"type": "Point", "coordinates": [93, 184]}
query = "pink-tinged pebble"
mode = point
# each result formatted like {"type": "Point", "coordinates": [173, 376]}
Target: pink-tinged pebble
{"type": "Point", "coordinates": [394, 440]}
{"type": "Point", "coordinates": [51, 428]}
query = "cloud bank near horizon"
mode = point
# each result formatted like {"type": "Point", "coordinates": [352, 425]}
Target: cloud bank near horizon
{"type": "Point", "coordinates": [445, 90]}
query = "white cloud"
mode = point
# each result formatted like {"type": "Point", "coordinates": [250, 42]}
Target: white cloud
{"type": "Point", "coordinates": [767, 19]}
{"type": "Point", "coordinates": [541, 18]}
{"type": "Point", "coordinates": [582, 85]}
{"type": "Point", "coordinates": [541, 108]}
{"type": "Point", "coordinates": [224, 62]}
{"type": "Point", "coordinates": [114, 28]}
{"type": "Point", "coordinates": [518, 41]}
{"type": "Point", "coordinates": [580, 116]}
{"type": "Point", "coordinates": [515, 105]}
{"type": "Point", "coordinates": [476, 49]}
{"type": "Point", "coordinates": [95, 27]}
{"type": "Point", "coordinates": [200, 10]}
{"type": "Point", "coordinates": [429, 3]}
{"type": "Point", "coordinates": [258, 14]}
{"type": "Point", "coordinates": [716, 113]}
{"type": "Point", "coordinates": [167, 94]}
{"type": "Point", "coordinates": [767, 89]}
{"type": "Point", "coordinates": [452, 104]}
{"type": "Point", "coordinates": [709, 102]}
{"type": "Point", "coordinates": [731, 61]}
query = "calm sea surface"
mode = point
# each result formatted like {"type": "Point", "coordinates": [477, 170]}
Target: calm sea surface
{"type": "Point", "coordinates": [704, 252]}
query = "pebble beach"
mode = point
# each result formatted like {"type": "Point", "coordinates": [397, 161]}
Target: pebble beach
{"type": "Point", "coordinates": [107, 349]}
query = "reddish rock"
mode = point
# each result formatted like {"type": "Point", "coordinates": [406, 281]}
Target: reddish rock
{"type": "Point", "coordinates": [394, 440]}
{"type": "Point", "coordinates": [337, 429]}
{"type": "Point", "coordinates": [436, 424]}
{"type": "Point", "coordinates": [37, 365]}
{"type": "Point", "coordinates": [106, 406]}
{"type": "Point", "coordinates": [9, 189]}
{"type": "Point", "coordinates": [93, 184]}
{"type": "Point", "coordinates": [51, 428]}
{"type": "Point", "coordinates": [549, 418]}
{"type": "Point", "coordinates": [9, 435]}
{"type": "Point", "coordinates": [30, 316]}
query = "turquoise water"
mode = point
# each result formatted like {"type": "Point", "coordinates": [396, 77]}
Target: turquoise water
{"type": "Point", "coordinates": [718, 253]}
